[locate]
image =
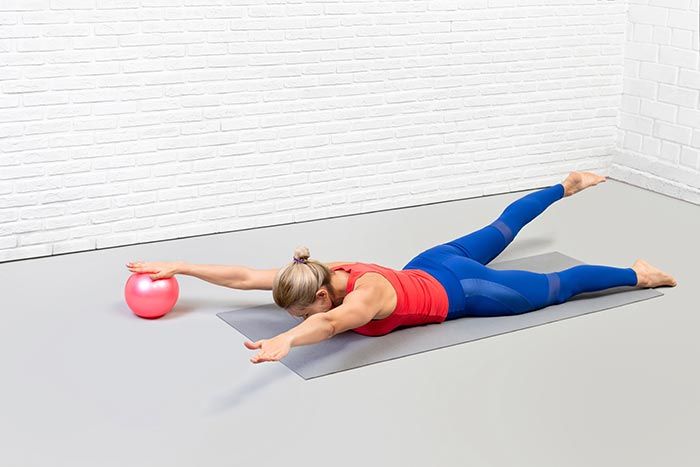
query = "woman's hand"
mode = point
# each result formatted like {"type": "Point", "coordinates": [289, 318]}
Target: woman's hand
{"type": "Point", "coordinates": [163, 270]}
{"type": "Point", "coordinates": [271, 349]}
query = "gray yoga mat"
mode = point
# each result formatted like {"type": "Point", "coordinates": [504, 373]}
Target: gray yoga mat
{"type": "Point", "coordinates": [351, 350]}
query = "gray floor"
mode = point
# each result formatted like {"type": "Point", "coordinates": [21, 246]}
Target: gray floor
{"type": "Point", "coordinates": [85, 383]}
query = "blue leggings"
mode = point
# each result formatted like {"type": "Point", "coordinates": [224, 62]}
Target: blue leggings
{"type": "Point", "coordinates": [474, 289]}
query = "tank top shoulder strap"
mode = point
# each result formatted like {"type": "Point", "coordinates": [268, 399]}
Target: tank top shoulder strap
{"type": "Point", "coordinates": [355, 270]}
{"type": "Point", "coordinates": [345, 267]}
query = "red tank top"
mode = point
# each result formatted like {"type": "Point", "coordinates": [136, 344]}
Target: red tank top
{"type": "Point", "coordinates": [420, 298]}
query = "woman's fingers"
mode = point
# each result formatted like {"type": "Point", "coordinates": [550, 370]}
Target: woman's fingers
{"type": "Point", "coordinates": [143, 268]}
{"type": "Point", "coordinates": [161, 270]}
{"type": "Point", "coordinates": [263, 357]}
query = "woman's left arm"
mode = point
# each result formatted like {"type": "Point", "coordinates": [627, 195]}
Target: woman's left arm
{"type": "Point", "coordinates": [315, 328]}
{"type": "Point", "coordinates": [358, 308]}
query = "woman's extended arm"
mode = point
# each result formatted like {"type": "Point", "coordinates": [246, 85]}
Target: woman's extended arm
{"type": "Point", "coordinates": [358, 308]}
{"type": "Point", "coordinates": [235, 277]}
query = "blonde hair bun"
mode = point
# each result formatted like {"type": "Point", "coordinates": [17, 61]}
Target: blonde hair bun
{"type": "Point", "coordinates": [301, 253]}
{"type": "Point", "coordinates": [297, 283]}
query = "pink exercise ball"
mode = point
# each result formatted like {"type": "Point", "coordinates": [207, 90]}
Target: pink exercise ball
{"type": "Point", "coordinates": [150, 298]}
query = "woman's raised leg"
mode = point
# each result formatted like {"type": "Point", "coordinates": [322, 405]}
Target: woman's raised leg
{"type": "Point", "coordinates": [485, 244]}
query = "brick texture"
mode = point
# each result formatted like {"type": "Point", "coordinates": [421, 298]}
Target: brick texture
{"type": "Point", "coordinates": [140, 120]}
{"type": "Point", "coordinates": [658, 143]}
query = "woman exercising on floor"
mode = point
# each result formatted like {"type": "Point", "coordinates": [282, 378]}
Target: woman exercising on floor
{"type": "Point", "coordinates": [447, 281]}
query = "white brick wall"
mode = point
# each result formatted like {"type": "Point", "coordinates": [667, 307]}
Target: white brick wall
{"type": "Point", "coordinates": [136, 120]}
{"type": "Point", "coordinates": [659, 133]}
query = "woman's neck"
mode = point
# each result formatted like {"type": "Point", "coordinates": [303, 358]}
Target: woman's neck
{"type": "Point", "coordinates": [339, 286]}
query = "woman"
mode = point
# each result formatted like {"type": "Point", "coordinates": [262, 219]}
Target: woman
{"type": "Point", "coordinates": [448, 281]}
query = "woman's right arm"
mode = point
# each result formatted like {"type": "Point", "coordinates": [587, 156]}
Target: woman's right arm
{"type": "Point", "coordinates": [235, 277]}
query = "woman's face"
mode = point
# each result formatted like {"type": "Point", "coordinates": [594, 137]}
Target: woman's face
{"type": "Point", "coordinates": [322, 304]}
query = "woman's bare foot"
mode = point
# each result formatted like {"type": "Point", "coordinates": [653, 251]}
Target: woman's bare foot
{"type": "Point", "coordinates": [649, 276]}
{"type": "Point", "coordinates": [577, 181]}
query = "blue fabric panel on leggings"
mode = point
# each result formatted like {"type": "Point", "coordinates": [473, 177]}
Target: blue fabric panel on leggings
{"type": "Point", "coordinates": [554, 285]}
{"type": "Point", "coordinates": [504, 229]}
{"type": "Point", "coordinates": [516, 302]}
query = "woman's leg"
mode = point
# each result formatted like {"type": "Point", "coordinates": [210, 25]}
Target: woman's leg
{"type": "Point", "coordinates": [485, 244]}
{"type": "Point", "coordinates": [491, 292]}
